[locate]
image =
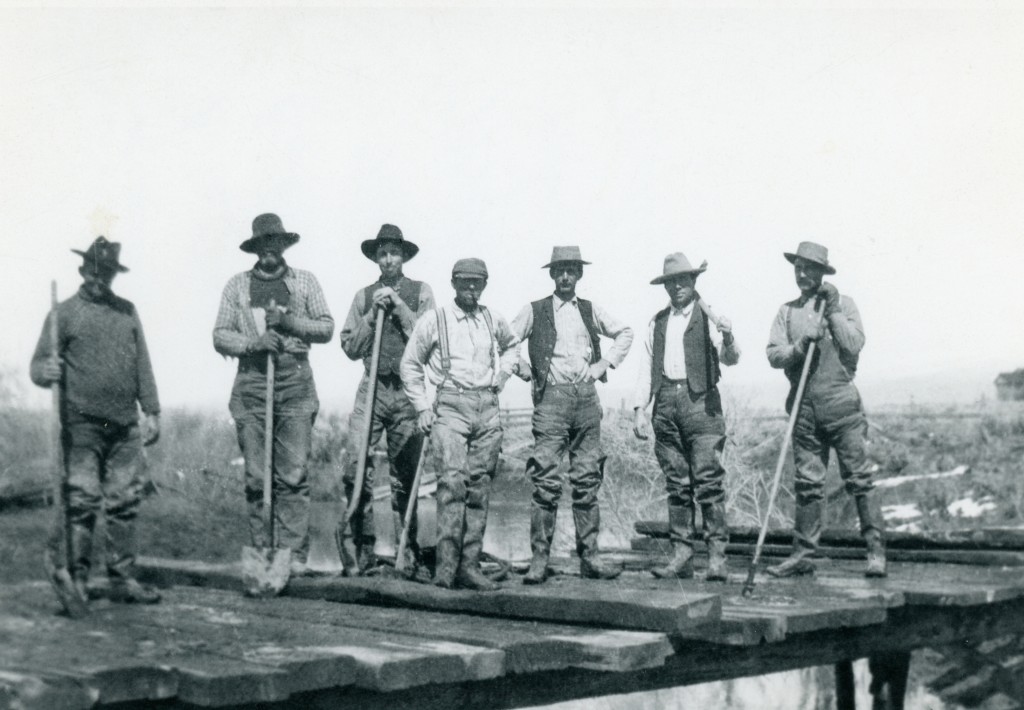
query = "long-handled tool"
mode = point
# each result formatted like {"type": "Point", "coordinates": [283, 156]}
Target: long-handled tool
{"type": "Point", "coordinates": [364, 440]}
{"type": "Point", "coordinates": [410, 510]}
{"type": "Point", "coordinates": [748, 586]}
{"type": "Point", "coordinates": [56, 554]}
{"type": "Point", "coordinates": [265, 570]}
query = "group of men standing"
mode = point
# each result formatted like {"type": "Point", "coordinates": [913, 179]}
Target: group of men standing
{"type": "Point", "coordinates": [274, 313]}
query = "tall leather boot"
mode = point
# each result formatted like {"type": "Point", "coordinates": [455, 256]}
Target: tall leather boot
{"type": "Point", "coordinates": [681, 533]}
{"type": "Point", "coordinates": [542, 530]}
{"type": "Point", "coordinates": [588, 524]}
{"type": "Point", "coordinates": [451, 517]}
{"type": "Point", "coordinates": [363, 535]}
{"type": "Point", "coordinates": [716, 534]}
{"type": "Point", "coordinates": [469, 575]}
{"type": "Point", "coordinates": [872, 528]}
{"type": "Point", "coordinates": [807, 532]}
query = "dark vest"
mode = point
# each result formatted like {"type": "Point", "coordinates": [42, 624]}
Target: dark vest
{"type": "Point", "coordinates": [702, 371]}
{"type": "Point", "coordinates": [543, 336]}
{"type": "Point", "coordinates": [393, 339]}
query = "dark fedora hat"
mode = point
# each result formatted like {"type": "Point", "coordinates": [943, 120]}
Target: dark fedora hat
{"type": "Point", "coordinates": [677, 264]}
{"type": "Point", "coordinates": [102, 255]}
{"type": "Point", "coordinates": [268, 227]}
{"type": "Point", "coordinates": [561, 255]}
{"type": "Point", "coordinates": [389, 234]}
{"type": "Point", "coordinates": [810, 251]}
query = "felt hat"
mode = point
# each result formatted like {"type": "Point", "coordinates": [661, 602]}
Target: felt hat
{"type": "Point", "coordinates": [268, 227]}
{"type": "Point", "coordinates": [810, 251]}
{"type": "Point", "coordinates": [102, 255]}
{"type": "Point", "coordinates": [389, 234]}
{"type": "Point", "coordinates": [561, 255]}
{"type": "Point", "coordinates": [677, 264]}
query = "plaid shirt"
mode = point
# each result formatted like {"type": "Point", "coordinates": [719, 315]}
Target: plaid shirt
{"type": "Point", "coordinates": [311, 319]}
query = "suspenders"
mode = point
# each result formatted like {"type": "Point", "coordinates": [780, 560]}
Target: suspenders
{"type": "Point", "coordinates": [445, 347]}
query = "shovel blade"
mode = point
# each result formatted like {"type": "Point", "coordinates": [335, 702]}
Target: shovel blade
{"type": "Point", "coordinates": [265, 570]}
{"type": "Point", "coordinates": [67, 594]}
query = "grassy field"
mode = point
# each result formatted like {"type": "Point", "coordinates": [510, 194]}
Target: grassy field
{"type": "Point", "coordinates": [194, 504]}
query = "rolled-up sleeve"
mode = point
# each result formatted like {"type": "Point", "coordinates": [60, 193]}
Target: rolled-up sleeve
{"type": "Point", "coordinates": [621, 334]}
{"type": "Point", "coordinates": [414, 362]}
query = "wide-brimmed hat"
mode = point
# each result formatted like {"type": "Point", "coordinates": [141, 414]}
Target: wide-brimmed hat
{"type": "Point", "coordinates": [389, 233]}
{"type": "Point", "coordinates": [470, 267]}
{"type": "Point", "coordinates": [561, 255]}
{"type": "Point", "coordinates": [810, 251]}
{"type": "Point", "coordinates": [268, 227]}
{"type": "Point", "coordinates": [677, 264]}
{"type": "Point", "coordinates": [102, 255]}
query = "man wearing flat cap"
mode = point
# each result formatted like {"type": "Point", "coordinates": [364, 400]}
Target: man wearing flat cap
{"type": "Point", "coordinates": [274, 311]}
{"type": "Point", "coordinates": [403, 301]}
{"type": "Point", "coordinates": [830, 414]}
{"type": "Point", "coordinates": [467, 353]}
{"type": "Point", "coordinates": [679, 371]}
{"type": "Point", "coordinates": [565, 361]}
{"type": "Point", "coordinates": [103, 367]}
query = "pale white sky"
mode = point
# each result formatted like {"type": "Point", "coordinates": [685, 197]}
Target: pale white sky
{"type": "Point", "coordinates": [890, 132]}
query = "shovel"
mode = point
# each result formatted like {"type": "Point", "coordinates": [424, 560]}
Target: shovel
{"type": "Point", "coordinates": [748, 586]}
{"type": "Point", "coordinates": [55, 556]}
{"type": "Point", "coordinates": [265, 570]}
{"type": "Point", "coordinates": [410, 513]}
{"type": "Point", "coordinates": [364, 441]}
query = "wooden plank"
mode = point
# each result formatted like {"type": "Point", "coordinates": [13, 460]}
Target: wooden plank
{"type": "Point", "coordinates": [562, 599]}
{"type": "Point", "coordinates": [528, 646]}
{"type": "Point", "coordinates": [44, 691]}
{"type": "Point", "coordinates": [975, 539]}
{"type": "Point", "coordinates": [993, 558]}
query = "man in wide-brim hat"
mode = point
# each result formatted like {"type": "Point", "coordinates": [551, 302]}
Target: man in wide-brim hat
{"type": "Point", "coordinates": [680, 371]}
{"type": "Point", "coordinates": [103, 366]}
{"type": "Point", "coordinates": [274, 311]}
{"type": "Point", "coordinates": [830, 414]}
{"type": "Point", "coordinates": [566, 360]}
{"type": "Point", "coordinates": [467, 353]}
{"type": "Point", "coordinates": [403, 301]}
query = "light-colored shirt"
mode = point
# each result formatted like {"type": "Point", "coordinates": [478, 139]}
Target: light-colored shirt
{"type": "Point", "coordinates": [479, 357]}
{"type": "Point", "coordinates": [311, 320]}
{"type": "Point", "coordinates": [570, 360]}
{"type": "Point", "coordinates": [674, 366]}
{"type": "Point", "coordinates": [357, 332]}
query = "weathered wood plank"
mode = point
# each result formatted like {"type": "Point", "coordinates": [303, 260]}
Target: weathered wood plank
{"type": "Point", "coordinates": [528, 646]}
{"type": "Point", "coordinates": [563, 599]}
{"type": "Point", "coordinates": [994, 558]}
{"type": "Point", "coordinates": [44, 691]}
{"type": "Point", "coordinates": [976, 539]}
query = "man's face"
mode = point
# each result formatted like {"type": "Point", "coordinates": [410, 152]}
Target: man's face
{"type": "Point", "coordinates": [468, 290]}
{"type": "Point", "coordinates": [96, 282]}
{"type": "Point", "coordinates": [565, 275]}
{"type": "Point", "coordinates": [270, 258]}
{"type": "Point", "coordinates": [390, 258]}
{"type": "Point", "coordinates": [808, 275]}
{"type": "Point", "coordinates": [680, 289]}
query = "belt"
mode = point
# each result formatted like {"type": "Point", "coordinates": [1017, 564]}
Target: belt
{"type": "Point", "coordinates": [460, 389]}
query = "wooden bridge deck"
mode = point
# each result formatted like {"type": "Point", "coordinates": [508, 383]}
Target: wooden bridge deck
{"type": "Point", "coordinates": [377, 642]}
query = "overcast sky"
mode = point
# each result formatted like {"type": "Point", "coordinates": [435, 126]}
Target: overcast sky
{"type": "Point", "coordinates": [891, 133]}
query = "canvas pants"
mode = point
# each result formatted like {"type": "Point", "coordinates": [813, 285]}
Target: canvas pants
{"type": "Point", "coordinates": [689, 437]}
{"type": "Point", "coordinates": [295, 410]}
{"type": "Point", "coordinates": [104, 464]}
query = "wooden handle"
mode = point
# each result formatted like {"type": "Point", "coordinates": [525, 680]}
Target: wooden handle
{"type": "Point", "coordinates": [371, 393]}
{"type": "Point", "coordinates": [268, 449]}
{"type": "Point", "coordinates": [410, 509]}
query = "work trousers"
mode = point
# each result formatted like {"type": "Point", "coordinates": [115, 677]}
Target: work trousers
{"type": "Point", "coordinates": [466, 442]}
{"type": "Point", "coordinates": [103, 460]}
{"type": "Point", "coordinates": [392, 413]}
{"type": "Point", "coordinates": [295, 409]}
{"type": "Point", "coordinates": [567, 418]}
{"type": "Point", "coordinates": [689, 436]}
{"type": "Point", "coordinates": [831, 418]}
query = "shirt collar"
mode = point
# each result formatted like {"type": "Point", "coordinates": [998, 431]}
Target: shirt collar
{"type": "Point", "coordinates": [684, 311]}
{"type": "Point", "coordinates": [461, 314]}
{"type": "Point", "coordinates": [559, 303]}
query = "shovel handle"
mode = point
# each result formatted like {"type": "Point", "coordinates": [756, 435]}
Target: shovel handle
{"type": "Point", "coordinates": [410, 508]}
{"type": "Point", "coordinates": [371, 393]}
{"type": "Point", "coordinates": [268, 448]}
{"type": "Point", "coordinates": [748, 586]}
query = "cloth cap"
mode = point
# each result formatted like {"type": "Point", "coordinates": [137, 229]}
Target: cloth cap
{"type": "Point", "coordinates": [470, 267]}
